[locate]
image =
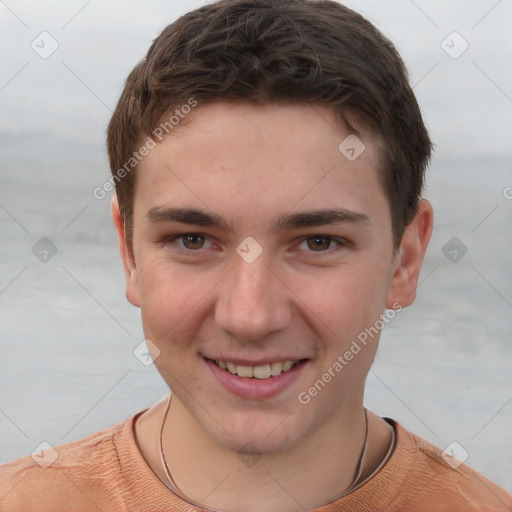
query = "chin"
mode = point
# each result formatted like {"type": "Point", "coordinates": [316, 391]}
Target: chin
{"type": "Point", "coordinates": [252, 435]}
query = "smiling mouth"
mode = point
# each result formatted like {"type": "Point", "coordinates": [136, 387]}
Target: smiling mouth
{"type": "Point", "coordinates": [261, 372]}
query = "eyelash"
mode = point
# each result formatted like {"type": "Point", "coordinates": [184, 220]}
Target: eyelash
{"type": "Point", "coordinates": [339, 241]}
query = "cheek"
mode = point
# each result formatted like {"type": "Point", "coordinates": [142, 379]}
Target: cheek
{"type": "Point", "coordinates": [348, 308]}
{"type": "Point", "coordinates": [345, 300]}
{"type": "Point", "coordinates": [169, 300]}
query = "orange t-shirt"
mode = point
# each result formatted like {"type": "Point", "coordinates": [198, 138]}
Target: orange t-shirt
{"type": "Point", "coordinates": [106, 472]}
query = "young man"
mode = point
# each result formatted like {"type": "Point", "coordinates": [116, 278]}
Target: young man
{"type": "Point", "coordinates": [269, 158]}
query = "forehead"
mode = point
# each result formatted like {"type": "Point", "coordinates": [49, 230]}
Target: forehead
{"type": "Point", "coordinates": [240, 157]}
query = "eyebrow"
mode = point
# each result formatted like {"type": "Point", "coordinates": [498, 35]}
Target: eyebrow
{"type": "Point", "coordinates": [320, 218]}
{"type": "Point", "coordinates": [297, 220]}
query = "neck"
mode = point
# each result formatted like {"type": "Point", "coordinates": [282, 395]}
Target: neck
{"type": "Point", "coordinates": [317, 471]}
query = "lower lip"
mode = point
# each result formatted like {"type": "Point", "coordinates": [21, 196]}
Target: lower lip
{"type": "Point", "coordinates": [252, 388]}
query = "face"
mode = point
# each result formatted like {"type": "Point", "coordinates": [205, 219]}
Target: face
{"type": "Point", "coordinates": [257, 242]}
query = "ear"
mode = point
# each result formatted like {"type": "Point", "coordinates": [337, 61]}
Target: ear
{"type": "Point", "coordinates": [130, 269]}
{"type": "Point", "coordinates": [408, 260]}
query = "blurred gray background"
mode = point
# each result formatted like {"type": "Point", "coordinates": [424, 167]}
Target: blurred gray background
{"type": "Point", "coordinates": [67, 366]}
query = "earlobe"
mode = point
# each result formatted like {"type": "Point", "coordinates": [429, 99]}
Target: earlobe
{"type": "Point", "coordinates": [408, 261]}
{"type": "Point", "coordinates": [127, 256]}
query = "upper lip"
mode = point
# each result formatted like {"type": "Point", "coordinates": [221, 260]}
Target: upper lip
{"type": "Point", "coordinates": [255, 362]}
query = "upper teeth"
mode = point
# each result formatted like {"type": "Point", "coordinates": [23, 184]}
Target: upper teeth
{"type": "Point", "coordinates": [263, 371]}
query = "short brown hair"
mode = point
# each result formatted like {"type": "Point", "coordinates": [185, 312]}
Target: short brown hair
{"type": "Point", "coordinates": [277, 51]}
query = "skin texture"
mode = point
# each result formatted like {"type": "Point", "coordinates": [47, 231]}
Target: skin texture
{"type": "Point", "coordinates": [302, 298]}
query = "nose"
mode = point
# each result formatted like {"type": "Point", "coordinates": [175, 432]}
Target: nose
{"type": "Point", "coordinates": [253, 302]}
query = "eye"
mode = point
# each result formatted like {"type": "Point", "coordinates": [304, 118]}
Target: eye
{"type": "Point", "coordinates": [193, 241]}
{"type": "Point", "coordinates": [319, 243]}
{"type": "Point", "coordinates": [189, 241]}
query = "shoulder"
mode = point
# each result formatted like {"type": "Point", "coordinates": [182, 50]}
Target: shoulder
{"type": "Point", "coordinates": [437, 479]}
{"type": "Point", "coordinates": [81, 472]}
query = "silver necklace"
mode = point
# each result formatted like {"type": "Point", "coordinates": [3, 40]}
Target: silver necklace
{"type": "Point", "coordinates": [174, 486]}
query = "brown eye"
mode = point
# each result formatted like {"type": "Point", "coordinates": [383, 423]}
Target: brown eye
{"type": "Point", "coordinates": [193, 241]}
{"type": "Point", "coordinates": [319, 243]}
